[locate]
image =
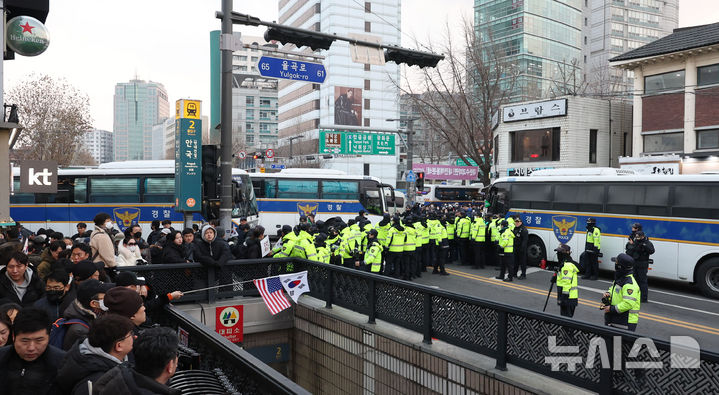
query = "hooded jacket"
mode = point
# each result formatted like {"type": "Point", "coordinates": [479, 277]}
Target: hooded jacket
{"type": "Point", "coordinates": [83, 363]}
{"type": "Point", "coordinates": [213, 253]}
{"type": "Point", "coordinates": [77, 332]}
{"type": "Point", "coordinates": [103, 249]}
{"type": "Point", "coordinates": [34, 291]}
{"type": "Point", "coordinates": [123, 380]}
{"type": "Point", "coordinates": [37, 377]}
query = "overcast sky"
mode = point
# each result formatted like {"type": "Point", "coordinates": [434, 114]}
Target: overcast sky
{"type": "Point", "coordinates": [96, 44]}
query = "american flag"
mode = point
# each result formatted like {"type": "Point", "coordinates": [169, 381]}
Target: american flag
{"type": "Point", "coordinates": [271, 290]}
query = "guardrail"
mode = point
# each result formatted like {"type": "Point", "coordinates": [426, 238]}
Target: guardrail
{"type": "Point", "coordinates": [597, 358]}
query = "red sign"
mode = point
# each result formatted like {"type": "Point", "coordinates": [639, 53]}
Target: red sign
{"type": "Point", "coordinates": [229, 322]}
{"type": "Point", "coordinates": [270, 153]}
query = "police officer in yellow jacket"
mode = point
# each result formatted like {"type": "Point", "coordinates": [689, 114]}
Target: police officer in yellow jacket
{"type": "Point", "coordinates": [410, 264]}
{"type": "Point", "coordinates": [479, 238]}
{"type": "Point", "coordinates": [462, 231]}
{"type": "Point", "coordinates": [589, 259]}
{"type": "Point", "coordinates": [373, 258]}
{"type": "Point", "coordinates": [395, 246]}
{"type": "Point", "coordinates": [323, 252]}
{"type": "Point", "coordinates": [506, 243]}
{"type": "Point", "coordinates": [567, 291]}
{"type": "Point", "coordinates": [622, 302]}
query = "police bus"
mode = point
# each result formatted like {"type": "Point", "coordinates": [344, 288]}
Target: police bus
{"type": "Point", "coordinates": [131, 192]}
{"type": "Point", "coordinates": [441, 194]}
{"type": "Point", "coordinates": [285, 196]}
{"type": "Point", "coordinates": [679, 214]}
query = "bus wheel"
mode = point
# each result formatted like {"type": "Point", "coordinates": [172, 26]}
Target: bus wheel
{"type": "Point", "coordinates": [535, 251]}
{"type": "Point", "coordinates": [708, 278]}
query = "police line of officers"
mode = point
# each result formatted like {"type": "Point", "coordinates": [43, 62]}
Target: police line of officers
{"type": "Point", "coordinates": [404, 246]}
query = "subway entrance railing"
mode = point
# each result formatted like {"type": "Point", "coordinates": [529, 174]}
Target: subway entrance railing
{"type": "Point", "coordinates": [598, 358]}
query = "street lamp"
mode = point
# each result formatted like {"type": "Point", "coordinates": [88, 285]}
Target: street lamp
{"type": "Point", "coordinates": [410, 152]}
{"type": "Point", "coordinates": [291, 140]}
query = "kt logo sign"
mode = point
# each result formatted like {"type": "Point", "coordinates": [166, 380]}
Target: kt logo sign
{"type": "Point", "coordinates": [37, 176]}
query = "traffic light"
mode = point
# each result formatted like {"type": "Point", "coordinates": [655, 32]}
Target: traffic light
{"type": "Point", "coordinates": [299, 37]}
{"type": "Point", "coordinates": [210, 171]}
{"type": "Point", "coordinates": [411, 57]}
{"type": "Point", "coordinates": [420, 181]}
{"type": "Point", "coordinates": [258, 156]}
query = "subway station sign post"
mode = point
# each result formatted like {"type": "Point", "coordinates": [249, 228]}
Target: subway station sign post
{"type": "Point", "coordinates": [188, 157]}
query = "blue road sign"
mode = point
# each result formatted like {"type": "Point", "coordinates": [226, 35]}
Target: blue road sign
{"type": "Point", "coordinates": [292, 69]}
{"type": "Point", "coordinates": [411, 177]}
{"type": "Point", "coordinates": [277, 167]}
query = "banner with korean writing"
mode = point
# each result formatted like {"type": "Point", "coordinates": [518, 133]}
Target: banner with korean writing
{"type": "Point", "coordinates": [356, 143]}
{"type": "Point", "coordinates": [447, 172]}
{"type": "Point", "coordinates": [188, 156]}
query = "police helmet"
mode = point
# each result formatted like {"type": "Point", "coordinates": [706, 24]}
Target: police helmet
{"type": "Point", "coordinates": [286, 229]}
{"type": "Point", "coordinates": [563, 248]}
{"type": "Point", "coordinates": [320, 238]}
{"type": "Point", "coordinates": [373, 232]}
{"type": "Point", "coordinates": [624, 263]}
{"type": "Point", "coordinates": [591, 221]}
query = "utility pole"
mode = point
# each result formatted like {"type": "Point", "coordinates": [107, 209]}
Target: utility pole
{"type": "Point", "coordinates": [291, 140]}
{"type": "Point", "coordinates": [226, 120]}
{"type": "Point", "coordinates": [411, 185]}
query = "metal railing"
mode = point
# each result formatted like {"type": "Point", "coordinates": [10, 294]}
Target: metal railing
{"type": "Point", "coordinates": [599, 355]}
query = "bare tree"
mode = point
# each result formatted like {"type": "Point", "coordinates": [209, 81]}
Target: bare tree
{"type": "Point", "coordinates": [459, 98]}
{"type": "Point", "coordinates": [568, 80]}
{"type": "Point", "coordinates": [83, 158]}
{"type": "Point", "coordinates": [54, 115]}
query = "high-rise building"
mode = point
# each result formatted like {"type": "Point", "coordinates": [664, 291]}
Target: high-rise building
{"type": "Point", "coordinates": [353, 94]}
{"type": "Point", "coordinates": [543, 38]}
{"type": "Point", "coordinates": [162, 132]}
{"type": "Point", "coordinates": [618, 26]}
{"type": "Point", "coordinates": [138, 105]}
{"type": "Point", "coordinates": [99, 144]}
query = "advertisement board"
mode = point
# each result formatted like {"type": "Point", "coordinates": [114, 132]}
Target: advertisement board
{"type": "Point", "coordinates": [348, 106]}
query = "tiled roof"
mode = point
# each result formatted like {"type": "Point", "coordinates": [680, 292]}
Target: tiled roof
{"type": "Point", "coordinates": [681, 39]}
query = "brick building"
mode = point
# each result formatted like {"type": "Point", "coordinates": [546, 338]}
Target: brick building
{"type": "Point", "coordinates": [676, 96]}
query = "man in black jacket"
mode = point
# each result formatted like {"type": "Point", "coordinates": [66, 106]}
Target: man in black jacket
{"type": "Point", "coordinates": [155, 362]}
{"type": "Point", "coordinates": [210, 251]}
{"type": "Point", "coordinates": [640, 248]}
{"type": "Point", "coordinates": [109, 341]}
{"type": "Point", "coordinates": [520, 248]}
{"type": "Point", "coordinates": [58, 294]}
{"type": "Point", "coordinates": [30, 365]}
{"type": "Point", "coordinates": [87, 307]}
{"type": "Point", "coordinates": [19, 283]}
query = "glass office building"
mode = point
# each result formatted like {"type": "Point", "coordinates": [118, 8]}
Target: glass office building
{"type": "Point", "coordinates": [543, 38]}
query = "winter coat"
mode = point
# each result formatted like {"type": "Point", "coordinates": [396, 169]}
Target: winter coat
{"type": "Point", "coordinates": [172, 253]}
{"type": "Point", "coordinates": [83, 363]}
{"type": "Point", "coordinates": [37, 377]}
{"type": "Point", "coordinates": [123, 380]}
{"type": "Point", "coordinates": [215, 253]}
{"type": "Point", "coordinates": [82, 235]}
{"type": "Point", "coordinates": [125, 257]}
{"type": "Point", "coordinates": [35, 289]}
{"type": "Point", "coordinates": [254, 249]}
{"type": "Point", "coordinates": [103, 249]}
{"type": "Point", "coordinates": [46, 263]}
{"type": "Point", "coordinates": [56, 310]}
{"type": "Point", "coordinates": [77, 332]}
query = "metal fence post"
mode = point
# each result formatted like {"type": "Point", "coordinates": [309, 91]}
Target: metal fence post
{"type": "Point", "coordinates": [372, 299]}
{"type": "Point", "coordinates": [427, 321]}
{"type": "Point", "coordinates": [211, 293]}
{"type": "Point", "coordinates": [328, 288]}
{"type": "Point", "coordinates": [501, 340]}
{"type": "Point", "coordinates": [606, 379]}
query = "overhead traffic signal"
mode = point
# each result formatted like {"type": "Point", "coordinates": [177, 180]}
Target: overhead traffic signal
{"type": "Point", "coordinates": [299, 37]}
{"type": "Point", "coordinates": [258, 156]}
{"type": "Point", "coordinates": [420, 181]}
{"type": "Point", "coordinates": [411, 57]}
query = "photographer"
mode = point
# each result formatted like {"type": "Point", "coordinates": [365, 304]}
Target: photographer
{"type": "Point", "coordinates": [567, 290]}
{"type": "Point", "coordinates": [622, 302]}
{"type": "Point", "coordinates": [640, 248]}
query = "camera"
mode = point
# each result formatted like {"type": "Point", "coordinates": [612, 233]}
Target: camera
{"type": "Point", "coordinates": [606, 301]}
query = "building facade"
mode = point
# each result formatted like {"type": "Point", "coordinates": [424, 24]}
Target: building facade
{"type": "Point", "coordinates": [99, 144]}
{"type": "Point", "coordinates": [353, 94]}
{"type": "Point", "coordinates": [570, 131]}
{"type": "Point", "coordinates": [138, 105]}
{"type": "Point", "coordinates": [618, 26]}
{"type": "Point", "coordinates": [676, 96]}
{"type": "Point", "coordinates": [543, 38]}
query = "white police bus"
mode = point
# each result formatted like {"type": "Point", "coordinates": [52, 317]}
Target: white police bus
{"type": "Point", "coordinates": [679, 214]}
{"type": "Point", "coordinates": [131, 192]}
{"type": "Point", "coordinates": [284, 196]}
{"type": "Point", "coordinates": [441, 194]}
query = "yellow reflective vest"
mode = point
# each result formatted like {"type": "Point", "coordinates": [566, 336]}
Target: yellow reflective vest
{"type": "Point", "coordinates": [506, 241]}
{"type": "Point", "coordinates": [626, 298]}
{"type": "Point", "coordinates": [567, 280]}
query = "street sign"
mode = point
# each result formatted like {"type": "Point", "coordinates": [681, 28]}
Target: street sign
{"type": "Point", "coordinates": [270, 153]}
{"type": "Point", "coordinates": [38, 176]}
{"type": "Point", "coordinates": [411, 177]}
{"type": "Point", "coordinates": [291, 69]}
{"type": "Point", "coordinates": [229, 322]}
{"type": "Point", "coordinates": [460, 162]}
{"type": "Point", "coordinates": [277, 167]}
{"type": "Point", "coordinates": [366, 55]}
{"type": "Point", "coordinates": [242, 154]}
{"type": "Point", "coordinates": [188, 156]}
{"type": "Point", "coordinates": [356, 143]}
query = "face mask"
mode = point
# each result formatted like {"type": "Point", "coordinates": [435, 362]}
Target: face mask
{"type": "Point", "coordinates": [102, 305]}
{"type": "Point", "coordinates": [138, 235]}
{"type": "Point", "coordinates": [132, 248]}
{"type": "Point", "coordinates": [69, 246]}
{"type": "Point", "coordinates": [54, 296]}
{"type": "Point", "coordinates": [108, 225]}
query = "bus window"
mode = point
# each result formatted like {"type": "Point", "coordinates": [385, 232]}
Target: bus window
{"type": "Point", "coordinates": [372, 198]}
{"type": "Point", "coordinates": [696, 201]}
{"type": "Point", "coordinates": [115, 189]}
{"type": "Point", "coordinates": [258, 186]}
{"type": "Point", "coordinates": [345, 190]}
{"type": "Point", "coordinates": [159, 190]}
{"type": "Point", "coordinates": [298, 189]}
{"type": "Point", "coordinates": [19, 197]}
{"type": "Point", "coordinates": [497, 197]}
{"type": "Point", "coordinates": [80, 192]}
{"type": "Point", "coordinates": [531, 195]}
{"type": "Point", "coordinates": [579, 197]}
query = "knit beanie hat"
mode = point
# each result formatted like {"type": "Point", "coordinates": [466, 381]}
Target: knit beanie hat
{"type": "Point", "coordinates": [123, 301]}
